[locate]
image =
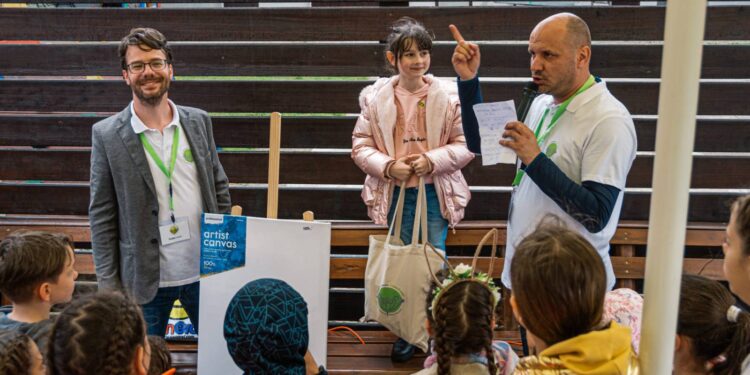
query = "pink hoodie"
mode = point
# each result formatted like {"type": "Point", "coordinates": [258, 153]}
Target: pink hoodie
{"type": "Point", "coordinates": [373, 147]}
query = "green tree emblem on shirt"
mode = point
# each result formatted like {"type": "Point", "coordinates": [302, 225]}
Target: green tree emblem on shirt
{"type": "Point", "coordinates": [551, 149]}
{"type": "Point", "coordinates": [188, 155]}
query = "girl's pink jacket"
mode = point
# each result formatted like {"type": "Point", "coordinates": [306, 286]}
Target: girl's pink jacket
{"type": "Point", "coordinates": [373, 147]}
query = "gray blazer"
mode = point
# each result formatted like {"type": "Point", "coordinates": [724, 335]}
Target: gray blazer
{"type": "Point", "coordinates": [123, 210]}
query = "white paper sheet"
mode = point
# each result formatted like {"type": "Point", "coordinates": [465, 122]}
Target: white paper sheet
{"type": "Point", "coordinates": [492, 118]}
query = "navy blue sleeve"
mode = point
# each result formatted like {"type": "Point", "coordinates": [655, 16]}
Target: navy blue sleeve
{"type": "Point", "coordinates": [470, 93]}
{"type": "Point", "coordinates": [590, 203]}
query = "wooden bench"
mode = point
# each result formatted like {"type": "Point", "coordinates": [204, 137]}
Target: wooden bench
{"type": "Point", "coordinates": [349, 241]}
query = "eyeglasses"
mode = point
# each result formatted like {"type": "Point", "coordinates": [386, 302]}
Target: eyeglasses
{"type": "Point", "coordinates": [139, 67]}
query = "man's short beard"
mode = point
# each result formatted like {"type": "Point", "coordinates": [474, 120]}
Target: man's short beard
{"type": "Point", "coordinates": [152, 100]}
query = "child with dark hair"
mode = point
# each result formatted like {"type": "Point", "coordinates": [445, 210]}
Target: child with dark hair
{"type": "Point", "coordinates": [737, 256]}
{"type": "Point", "coordinates": [410, 128]}
{"type": "Point", "coordinates": [461, 320]}
{"type": "Point", "coordinates": [37, 271]}
{"type": "Point", "coordinates": [20, 355]}
{"type": "Point", "coordinates": [737, 249]}
{"type": "Point", "coordinates": [559, 284]}
{"type": "Point", "coordinates": [713, 335]}
{"type": "Point", "coordinates": [265, 328]}
{"type": "Point", "coordinates": [101, 333]}
{"type": "Point", "coordinates": [161, 358]}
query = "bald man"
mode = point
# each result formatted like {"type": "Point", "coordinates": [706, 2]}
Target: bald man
{"type": "Point", "coordinates": [576, 147]}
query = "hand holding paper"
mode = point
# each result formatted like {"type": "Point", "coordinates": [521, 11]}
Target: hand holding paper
{"type": "Point", "coordinates": [521, 140]}
{"type": "Point", "coordinates": [492, 118]}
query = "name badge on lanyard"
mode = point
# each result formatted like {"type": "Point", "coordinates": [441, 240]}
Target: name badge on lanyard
{"type": "Point", "coordinates": [176, 229]}
{"type": "Point", "coordinates": [174, 232]}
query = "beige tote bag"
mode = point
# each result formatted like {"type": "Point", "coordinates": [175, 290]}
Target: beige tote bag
{"type": "Point", "coordinates": [397, 278]}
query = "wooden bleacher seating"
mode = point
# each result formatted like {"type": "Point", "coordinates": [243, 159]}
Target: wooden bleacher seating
{"type": "Point", "coordinates": [51, 94]}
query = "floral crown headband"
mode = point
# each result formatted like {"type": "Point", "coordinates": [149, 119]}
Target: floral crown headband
{"type": "Point", "coordinates": [463, 273]}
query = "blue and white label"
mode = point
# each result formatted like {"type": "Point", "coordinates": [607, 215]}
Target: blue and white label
{"type": "Point", "coordinates": [223, 239]}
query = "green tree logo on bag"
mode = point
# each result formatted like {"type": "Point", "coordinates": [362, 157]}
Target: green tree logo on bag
{"type": "Point", "coordinates": [390, 299]}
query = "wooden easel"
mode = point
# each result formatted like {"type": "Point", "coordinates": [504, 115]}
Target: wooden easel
{"type": "Point", "coordinates": [274, 153]}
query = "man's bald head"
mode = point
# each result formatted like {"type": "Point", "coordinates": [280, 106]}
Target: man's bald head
{"type": "Point", "coordinates": [577, 31]}
{"type": "Point", "coordinates": [560, 50]}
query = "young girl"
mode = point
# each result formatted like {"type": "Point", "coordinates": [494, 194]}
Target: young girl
{"type": "Point", "coordinates": [737, 255]}
{"type": "Point", "coordinates": [623, 306]}
{"type": "Point", "coordinates": [559, 285]}
{"type": "Point", "coordinates": [19, 354]}
{"type": "Point", "coordinates": [737, 249]}
{"type": "Point", "coordinates": [461, 320]}
{"type": "Point", "coordinates": [410, 127]}
{"type": "Point", "coordinates": [99, 334]}
{"type": "Point", "coordinates": [712, 334]}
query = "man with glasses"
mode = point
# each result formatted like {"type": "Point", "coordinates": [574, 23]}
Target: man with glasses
{"type": "Point", "coordinates": [154, 170]}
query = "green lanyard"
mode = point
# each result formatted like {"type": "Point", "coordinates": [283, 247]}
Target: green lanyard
{"type": "Point", "coordinates": [560, 110]}
{"type": "Point", "coordinates": [159, 163]}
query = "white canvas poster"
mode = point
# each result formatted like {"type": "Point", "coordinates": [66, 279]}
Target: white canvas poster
{"type": "Point", "coordinates": [297, 252]}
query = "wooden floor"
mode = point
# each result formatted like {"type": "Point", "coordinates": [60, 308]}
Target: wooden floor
{"type": "Point", "coordinates": [346, 355]}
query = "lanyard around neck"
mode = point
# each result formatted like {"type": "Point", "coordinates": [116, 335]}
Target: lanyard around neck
{"type": "Point", "coordinates": [160, 163]}
{"type": "Point", "coordinates": [558, 113]}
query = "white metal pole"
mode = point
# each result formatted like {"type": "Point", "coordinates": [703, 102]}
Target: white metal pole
{"type": "Point", "coordinates": [675, 134]}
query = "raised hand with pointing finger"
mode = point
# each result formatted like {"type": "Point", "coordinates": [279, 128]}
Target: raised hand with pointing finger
{"type": "Point", "coordinates": [465, 57]}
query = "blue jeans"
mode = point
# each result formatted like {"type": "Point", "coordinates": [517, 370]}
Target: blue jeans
{"type": "Point", "coordinates": [156, 313]}
{"type": "Point", "coordinates": [437, 226]}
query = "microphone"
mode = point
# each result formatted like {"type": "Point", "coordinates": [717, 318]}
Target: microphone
{"type": "Point", "coordinates": [527, 97]}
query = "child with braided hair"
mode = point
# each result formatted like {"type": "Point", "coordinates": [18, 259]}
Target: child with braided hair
{"type": "Point", "coordinates": [461, 324]}
{"type": "Point", "coordinates": [713, 335]}
{"type": "Point", "coordinates": [19, 354]}
{"type": "Point", "coordinates": [461, 319]}
{"type": "Point", "coordinates": [101, 333]}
